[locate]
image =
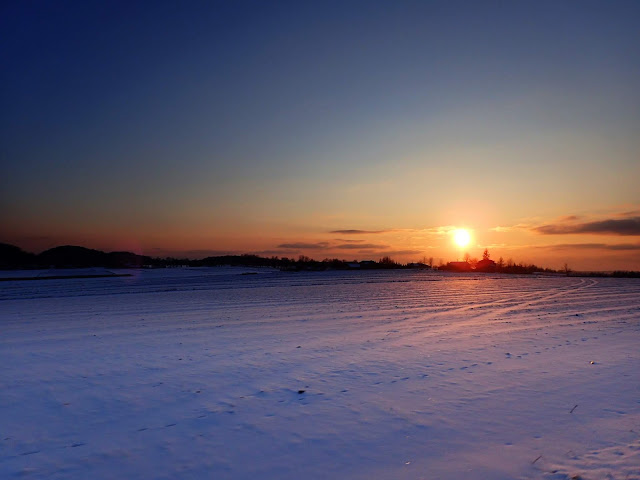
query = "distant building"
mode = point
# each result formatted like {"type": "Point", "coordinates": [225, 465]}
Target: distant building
{"type": "Point", "coordinates": [486, 265]}
{"type": "Point", "coordinates": [419, 265]}
{"type": "Point", "coordinates": [457, 267]}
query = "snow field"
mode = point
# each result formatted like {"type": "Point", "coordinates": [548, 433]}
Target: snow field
{"type": "Point", "coordinates": [206, 373]}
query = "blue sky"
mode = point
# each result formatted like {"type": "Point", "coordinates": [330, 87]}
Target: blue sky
{"type": "Point", "coordinates": [241, 126]}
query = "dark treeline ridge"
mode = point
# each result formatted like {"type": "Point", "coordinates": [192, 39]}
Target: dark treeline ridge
{"type": "Point", "coordinates": [68, 256]}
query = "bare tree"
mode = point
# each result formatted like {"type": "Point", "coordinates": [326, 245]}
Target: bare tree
{"type": "Point", "coordinates": [386, 260]}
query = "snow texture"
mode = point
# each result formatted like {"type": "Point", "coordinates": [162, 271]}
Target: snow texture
{"type": "Point", "coordinates": [209, 373]}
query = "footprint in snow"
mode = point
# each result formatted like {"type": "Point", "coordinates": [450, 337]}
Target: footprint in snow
{"type": "Point", "coordinates": [30, 453]}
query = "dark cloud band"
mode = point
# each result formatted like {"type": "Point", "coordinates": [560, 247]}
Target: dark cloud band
{"type": "Point", "coordinates": [596, 246]}
{"type": "Point", "coordinates": [302, 245]}
{"type": "Point", "coordinates": [357, 232]}
{"type": "Point", "coordinates": [627, 226]}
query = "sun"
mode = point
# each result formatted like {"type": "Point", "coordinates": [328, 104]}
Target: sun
{"type": "Point", "coordinates": [461, 237]}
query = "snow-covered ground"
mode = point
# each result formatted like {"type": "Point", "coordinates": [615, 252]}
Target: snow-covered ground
{"type": "Point", "coordinates": [212, 373]}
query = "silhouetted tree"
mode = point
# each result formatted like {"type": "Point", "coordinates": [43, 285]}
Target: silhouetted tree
{"type": "Point", "coordinates": [485, 254]}
{"type": "Point", "coordinates": [387, 262]}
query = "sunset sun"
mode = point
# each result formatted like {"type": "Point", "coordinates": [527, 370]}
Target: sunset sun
{"type": "Point", "coordinates": [461, 237]}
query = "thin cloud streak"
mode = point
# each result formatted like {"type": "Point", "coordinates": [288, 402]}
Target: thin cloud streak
{"type": "Point", "coordinates": [402, 252]}
{"type": "Point", "coordinates": [502, 229]}
{"type": "Point", "coordinates": [569, 218]}
{"type": "Point", "coordinates": [275, 252]}
{"type": "Point", "coordinates": [627, 226]}
{"type": "Point", "coordinates": [356, 246]}
{"type": "Point", "coordinates": [358, 232]}
{"type": "Point", "coordinates": [303, 245]}
{"type": "Point", "coordinates": [210, 253]}
{"type": "Point", "coordinates": [633, 213]}
{"type": "Point", "coordinates": [441, 230]}
{"type": "Point", "coordinates": [594, 246]}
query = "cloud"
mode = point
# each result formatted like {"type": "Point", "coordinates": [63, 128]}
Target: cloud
{"type": "Point", "coordinates": [209, 253]}
{"type": "Point", "coordinates": [193, 254]}
{"type": "Point", "coordinates": [402, 252]}
{"type": "Point", "coordinates": [441, 230]}
{"type": "Point", "coordinates": [632, 213]}
{"type": "Point", "coordinates": [305, 246]}
{"type": "Point", "coordinates": [446, 230]}
{"type": "Point", "coordinates": [595, 246]}
{"type": "Point", "coordinates": [627, 226]}
{"type": "Point", "coordinates": [519, 226]}
{"type": "Point", "coordinates": [358, 232]}
{"type": "Point", "coordinates": [276, 252]}
{"type": "Point", "coordinates": [356, 246]}
{"type": "Point", "coordinates": [391, 253]}
{"type": "Point", "coordinates": [494, 245]}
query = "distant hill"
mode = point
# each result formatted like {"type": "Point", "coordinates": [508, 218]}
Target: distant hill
{"type": "Point", "coordinates": [12, 257]}
{"type": "Point", "coordinates": [72, 256]}
{"type": "Point", "coordinates": [127, 260]}
{"type": "Point", "coordinates": [69, 256]}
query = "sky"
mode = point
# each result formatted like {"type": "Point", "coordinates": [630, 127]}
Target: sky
{"type": "Point", "coordinates": [350, 129]}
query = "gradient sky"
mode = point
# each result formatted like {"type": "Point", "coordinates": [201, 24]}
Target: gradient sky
{"type": "Point", "coordinates": [331, 129]}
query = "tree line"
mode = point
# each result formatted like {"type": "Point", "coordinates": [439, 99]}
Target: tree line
{"type": "Point", "coordinates": [68, 256]}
